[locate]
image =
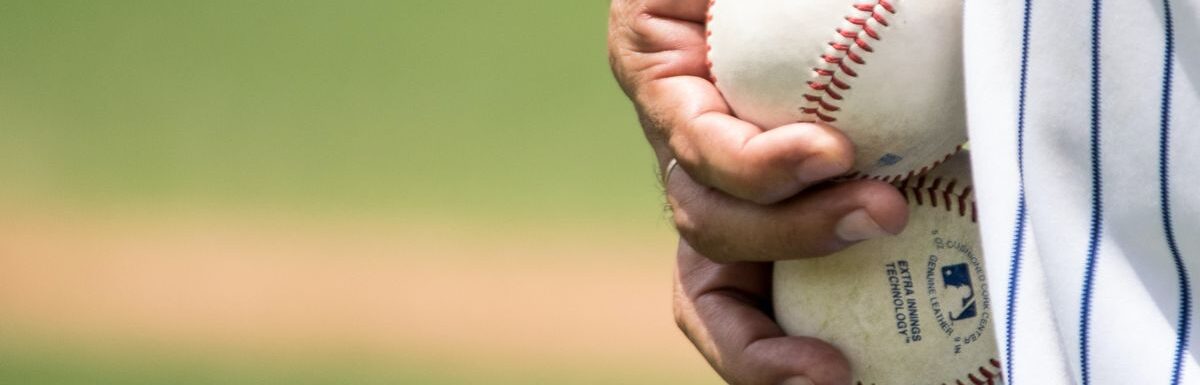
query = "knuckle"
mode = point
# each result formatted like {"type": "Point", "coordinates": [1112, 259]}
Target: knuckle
{"type": "Point", "coordinates": [685, 224]}
{"type": "Point", "coordinates": [682, 149]}
{"type": "Point", "coordinates": [720, 251]}
{"type": "Point", "coordinates": [681, 320]}
{"type": "Point", "coordinates": [748, 176]}
{"type": "Point", "coordinates": [763, 195]}
{"type": "Point", "coordinates": [824, 354]}
{"type": "Point", "coordinates": [764, 177]}
{"type": "Point", "coordinates": [711, 246]}
{"type": "Point", "coordinates": [808, 245]}
{"type": "Point", "coordinates": [831, 146]}
{"type": "Point", "coordinates": [827, 365]}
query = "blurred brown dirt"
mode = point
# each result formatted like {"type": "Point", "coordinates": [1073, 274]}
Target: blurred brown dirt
{"type": "Point", "coordinates": [460, 293]}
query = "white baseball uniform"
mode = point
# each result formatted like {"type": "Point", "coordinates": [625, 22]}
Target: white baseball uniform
{"type": "Point", "coordinates": [1082, 118]}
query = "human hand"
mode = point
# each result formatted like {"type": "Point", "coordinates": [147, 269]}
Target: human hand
{"type": "Point", "coordinates": [741, 192]}
{"type": "Point", "coordinates": [724, 309]}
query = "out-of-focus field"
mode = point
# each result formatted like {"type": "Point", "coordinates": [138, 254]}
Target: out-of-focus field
{"type": "Point", "coordinates": [321, 192]}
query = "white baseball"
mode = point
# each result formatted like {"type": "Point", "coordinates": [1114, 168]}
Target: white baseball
{"type": "Point", "coordinates": [888, 73]}
{"type": "Point", "coordinates": [912, 309]}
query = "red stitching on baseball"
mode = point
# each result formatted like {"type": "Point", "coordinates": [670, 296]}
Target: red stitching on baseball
{"type": "Point", "coordinates": [823, 101]}
{"type": "Point", "coordinates": [708, 18]}
{"type": "Point", "coordinates": [915, 188]}
{"type": "Point", "coordinates": [921, 191]}
{"type": "Point", "coordinates": [863, 25]}
{"type": "Point", "coordinates": [989, 378]}
{"type": "Point", "coordinates": [987, 373]}
{"type": "Point", "coordinates": [823, 105]}
{"type": "Point", "coordinates": [962, 203]}
{"type": "Point", "coordinates": [933, 190]}
{"type": "Point", "coordinates": [911, 174]}
{"type": "Point", "coordinates": [887, 5]}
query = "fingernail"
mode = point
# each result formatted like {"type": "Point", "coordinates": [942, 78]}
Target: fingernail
{"type": "Point", "coordinates": [819, 168]}
{"type": "Point", "coordinates": [797, 381]}
{"type": "Point", "coordinates": [858, 226]}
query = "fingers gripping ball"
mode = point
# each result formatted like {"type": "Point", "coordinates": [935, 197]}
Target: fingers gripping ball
{"type": "Point", "coordinates": [888, 73]}
{"type": "Point", "coordinates": [912, 309]}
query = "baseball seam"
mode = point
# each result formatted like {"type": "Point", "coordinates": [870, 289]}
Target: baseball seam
{"type": "Point", "coordinates": [861, 26]}
{"type": "Point", "coordinates": [708, 18]}
{"type": "Point", "coordinates": [903, 177]}
{"type": "Point", "coordinates": [864, 23]}
{"type": "Point", "coordinates": [942, 192]}
{"type": "Point", "coordinates": [954, 197]}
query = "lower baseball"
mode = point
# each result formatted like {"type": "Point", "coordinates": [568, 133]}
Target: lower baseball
{"type": "Point", "coordinates": [906, 310]}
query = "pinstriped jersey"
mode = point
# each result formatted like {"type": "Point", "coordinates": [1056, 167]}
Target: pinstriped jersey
{"type": "Point", "coordinates": [1084, 120]}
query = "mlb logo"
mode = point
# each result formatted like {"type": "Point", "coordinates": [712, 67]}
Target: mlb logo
{"type": "Point", "coordinates": [956, 280]}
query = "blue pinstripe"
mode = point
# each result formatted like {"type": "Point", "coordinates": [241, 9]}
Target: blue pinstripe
{"type": "Point", "coordinates": [1018, 245]}
{"type": "Point", "coordinates": [1183, 328]}
{"type": "Point", "coordinates": [1097, 223]}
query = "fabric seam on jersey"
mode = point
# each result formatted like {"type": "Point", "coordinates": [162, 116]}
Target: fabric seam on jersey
{"type": "Point", "coordinates": [1018, 244]}
{"type": "Point", "coordinates": [1183, 327]}
{"type": "Point", "coordinates": [1097, 221]}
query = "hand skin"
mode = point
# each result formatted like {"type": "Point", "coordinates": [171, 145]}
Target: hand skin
{"type": "Point", "coordinates": [743, 191]}
{"type": "Point", "coordinates": [742, 196]}
{"type": "Point", "coordinates": [724, 309]}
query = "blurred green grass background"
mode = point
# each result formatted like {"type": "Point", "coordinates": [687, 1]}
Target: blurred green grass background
{"type": "Point", "coordinates": [503, 108]}
{"type": "Point", "coordinates": [486, 118]}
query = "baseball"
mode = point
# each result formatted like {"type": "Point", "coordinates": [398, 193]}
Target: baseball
{"type": "Point", "coordinates": [906, 310]}
{"type": "Point", "coordinates": [887, 73]}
